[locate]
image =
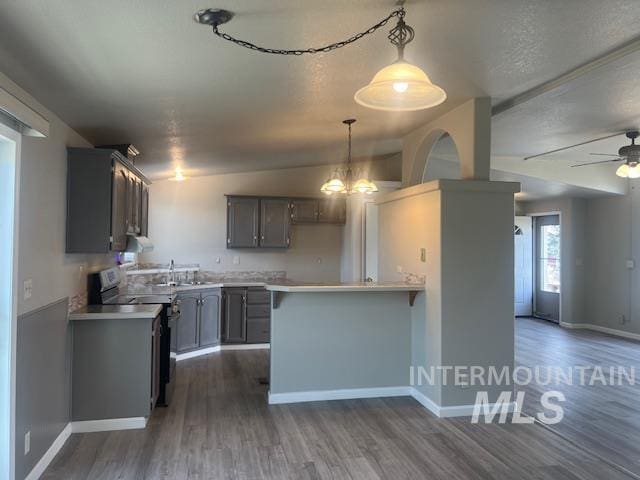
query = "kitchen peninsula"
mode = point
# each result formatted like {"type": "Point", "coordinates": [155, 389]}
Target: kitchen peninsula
{"type": "Point", "coordinates": [339, 341]}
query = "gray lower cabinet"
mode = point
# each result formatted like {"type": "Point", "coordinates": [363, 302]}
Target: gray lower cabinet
{"type": "Point", "coordinates": [115, 368]}
{"type": "Point", "coordinates": [247, 315]}
{"type": "Point", "coordinates": [198, 325]}
{"type": "Point", "coordinates": [209, 319]}
{"type": "Point", "coordinates": [187, 324]}
{"type": "Point", "coordinates": [235, 315]}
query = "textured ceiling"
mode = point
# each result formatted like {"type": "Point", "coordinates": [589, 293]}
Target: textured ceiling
{"type": "Point", "coordinates": [142, 71]}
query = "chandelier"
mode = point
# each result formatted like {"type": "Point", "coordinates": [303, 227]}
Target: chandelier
{"type": "Point", "coordinates": [400, 86]}
{"type": "Point", "coordinates": [342, 179]}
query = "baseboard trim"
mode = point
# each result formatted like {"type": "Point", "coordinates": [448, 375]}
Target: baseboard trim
{"type": "Point", "coordinates": [381, 392]}
{"type": "Point", "coordinates": [342, 394]}
{"type": "Point", "coordinates": [601, 329]}
{"type": "Point", "coordinates": [50, 454]}
{"type": "Point", "coordinates": [222, 348]}
{"type": "Point", "coordinates": [109, 424]}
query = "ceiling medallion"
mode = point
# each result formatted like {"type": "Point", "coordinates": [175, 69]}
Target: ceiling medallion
{"type": "Point", "coordinates": [342, 180]}
{"type": "Point", "coordinates": [398, 87]}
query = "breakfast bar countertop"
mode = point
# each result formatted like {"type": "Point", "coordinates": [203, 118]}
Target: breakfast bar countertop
{"type": "Point", "coordinates": [300, 287]}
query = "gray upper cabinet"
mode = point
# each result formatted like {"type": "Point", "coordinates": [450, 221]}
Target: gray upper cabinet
{"type": "Point", "coordinates": [243, 215]}
{"type": "Point", "coordinates": [274, 223]}
{"type": "Point", "coordinates": [304, 210]}
{"type": "Point", "coordinates": [144, 211]}
{"type": "Point", "coordinates": [119, 217]}
{"type": "Point", "coordinates": [209, 318]}
{"type": "Point", "coordinates": [332, 210]}
{"type": "Point", "coordinates": [101, 198]}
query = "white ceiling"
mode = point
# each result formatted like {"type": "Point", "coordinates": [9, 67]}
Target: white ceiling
{"type": "Point", "coordinates": [142, 71]}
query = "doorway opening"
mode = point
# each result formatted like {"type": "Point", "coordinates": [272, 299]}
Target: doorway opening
{"type": "Point", "coordinates": [9, 152]}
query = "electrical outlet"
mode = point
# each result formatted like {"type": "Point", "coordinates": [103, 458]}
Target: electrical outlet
{"type": "Point", "coordinates": [27, 442]}
{"type": "Point", "coordinates": [631, 264]}
{"type": "Point", "coordinates": [319, 260]}
{"type": "Point", "coordinates": [27, 289]}
{"type": "Point", "coordinates": [399, 269]}
{"type": "Point", "coordinates": [217, 259]}
{"type": "Point", "coordinates": [236, 260]}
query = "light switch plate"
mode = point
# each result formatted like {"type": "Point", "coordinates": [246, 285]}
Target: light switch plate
{"type": "Point", "coordinates": [27, 442]}
{"type": "Point", "coordinates": [217, 259]}
{"type": "Point", "coordinates": [27, 289]}
{"type": "Point", "coordinates": [399, 269]}
{"type": "Point", "coordinates": [423, 255]}
{"type": "Point", "coordinates": [236, 260]}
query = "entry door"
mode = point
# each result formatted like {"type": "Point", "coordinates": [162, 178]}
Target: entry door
{"type": "Point", "coordinates": [523, 240]}
{"type": "Point", "coordinates": [547, 299]}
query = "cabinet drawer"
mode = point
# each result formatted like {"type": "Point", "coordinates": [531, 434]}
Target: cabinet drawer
{"type": "Point", "coordinates": [258, 330]}
{"type": "Point", "coordinates": [258, 296]}
{"type": "Point", "coordinates": [258, 311]}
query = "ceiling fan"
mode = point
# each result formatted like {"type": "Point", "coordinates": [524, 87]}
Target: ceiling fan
{"type": "Point", "coordinates": [630, 154]}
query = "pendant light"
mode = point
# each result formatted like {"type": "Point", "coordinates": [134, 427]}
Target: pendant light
{"type": "Point", "coordinates": [400, 86]}
{"type": "Point", "coordinates": [341, 180]}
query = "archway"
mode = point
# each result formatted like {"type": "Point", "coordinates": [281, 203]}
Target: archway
{"type": "Point", "coordinates": [442, 160]}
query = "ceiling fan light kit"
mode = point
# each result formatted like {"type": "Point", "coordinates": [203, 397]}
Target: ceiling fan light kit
{"type": "Point", "coordinates": [398, 87]}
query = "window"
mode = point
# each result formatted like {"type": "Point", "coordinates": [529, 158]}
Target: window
{"type": "Point", "coordinates": [550, 258]}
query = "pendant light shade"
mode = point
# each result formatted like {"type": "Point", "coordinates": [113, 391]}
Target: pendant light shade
{"type": "Point", "coordinates": [400, 87]}
{"type": "Point", "coordinates": [342, 179]}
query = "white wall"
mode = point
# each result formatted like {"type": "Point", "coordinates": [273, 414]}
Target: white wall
{"type": "Point", "coordinates": [187, 223]}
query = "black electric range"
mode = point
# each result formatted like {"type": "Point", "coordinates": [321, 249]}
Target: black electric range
{"type": "Point", "coordinates": [104, 290]}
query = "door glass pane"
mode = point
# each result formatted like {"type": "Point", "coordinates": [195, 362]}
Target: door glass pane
{"type": "Point", "coordinates": [550, 258]}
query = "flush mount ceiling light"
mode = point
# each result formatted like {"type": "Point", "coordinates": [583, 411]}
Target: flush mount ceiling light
{"type": "Point", "coordinates": [179, 176]}
{"type": "Point", "coordinates": [342, 179]}
{"type": "Point", "coordinates": [400, 86]}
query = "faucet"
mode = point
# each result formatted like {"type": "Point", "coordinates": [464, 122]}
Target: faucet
{"type": "Point", "coordinates": [172, 273]}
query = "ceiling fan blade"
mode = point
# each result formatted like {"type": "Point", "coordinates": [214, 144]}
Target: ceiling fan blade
{"type": "Point", "coordinates": [596, 163]}
{"type": "Point", "coordinates": [605, 154]}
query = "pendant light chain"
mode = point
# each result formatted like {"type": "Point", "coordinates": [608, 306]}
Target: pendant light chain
{"type": "Point", "coordinates": [400, 13]}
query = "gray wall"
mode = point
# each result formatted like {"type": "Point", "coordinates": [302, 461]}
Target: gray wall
{"type": "Point", "coordinates": [43, 381]}
{"type": "Point", "coordinates": [612, 289]}
{"type": "Point", "coordinates": [188, 223]}
{"type": "Point", "coordinates": [330, 341]}
{"type": "Point", "coordinates": [55, 276]}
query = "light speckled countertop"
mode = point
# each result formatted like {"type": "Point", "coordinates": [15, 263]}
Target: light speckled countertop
{"type": "Point", "coordinates": [110, 312]}
{"type": "Point", "coordinates": [344, 287]}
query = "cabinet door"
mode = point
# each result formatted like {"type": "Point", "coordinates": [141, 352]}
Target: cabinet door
{"type": "Point", "coordinates": [332, 210]}
{"type": "Point", "coordinates": [155, 362]}
{"type": "Point", "coordinates": [304, 211]}
{"type": "Point", "coordinates": [258, 330]}
{"type": "Point", "coordinates": [187, 327]}
{"type": "Point", "coordinates": [242, 222]}
{"type": "Point", "coordinates": [274, 223]}
{"type": "Point", "coordinates": [137, 204]}
{"type": "Point", "coordinates": [235, 316]}
{"type": "Point", "coordinates": [144, 211]}
{"type": "Point", "coordinates": [209, 319]}
{"type": "Point", "coordinates": [131, 187]}
{"type": "Point", "coordinates": [119, 218]}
